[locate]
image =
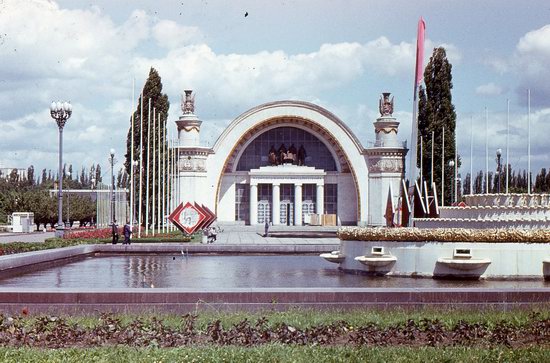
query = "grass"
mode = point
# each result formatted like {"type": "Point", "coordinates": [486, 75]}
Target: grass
{"type": "Point", "coordinates": [276, 353]}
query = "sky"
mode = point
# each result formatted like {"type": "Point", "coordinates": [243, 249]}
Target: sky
{"type": "Point", "coordinates": [237, 54]}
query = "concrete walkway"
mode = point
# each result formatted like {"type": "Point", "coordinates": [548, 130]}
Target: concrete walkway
{"type": "Point", "coordinates": [25, 237]}
{"type": "Point", "coordinates": [238, 234]}
{"type": "Point", "coordinates": [231, 234]}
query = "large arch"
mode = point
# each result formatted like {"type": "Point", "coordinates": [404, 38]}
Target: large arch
{"type": "Point", "coordinates": [344, 145]}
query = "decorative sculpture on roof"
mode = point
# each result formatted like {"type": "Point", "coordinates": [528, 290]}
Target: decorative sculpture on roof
{"type": "Point", "coordinates": [188, 103]}
{"type": "Point", "coordinates": [385, 104]}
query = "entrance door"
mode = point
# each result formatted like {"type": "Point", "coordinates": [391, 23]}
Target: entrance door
{"type": "Point", "coordinates": [264, 211]}
{"type": "Point", "coordinates": [308, 207]}
{"type": "Point", "coordinates": [287, 212]}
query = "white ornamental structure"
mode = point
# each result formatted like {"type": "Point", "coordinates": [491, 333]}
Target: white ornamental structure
{"type": "Point", "coordinates": [289, 163]}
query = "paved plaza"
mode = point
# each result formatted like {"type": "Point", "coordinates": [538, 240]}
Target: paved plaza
{"type": "Point", "coordinates": [231, 234]}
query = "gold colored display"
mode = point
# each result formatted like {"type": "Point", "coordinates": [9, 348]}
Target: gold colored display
{"type": "Point", "coordinates": [444, 235]}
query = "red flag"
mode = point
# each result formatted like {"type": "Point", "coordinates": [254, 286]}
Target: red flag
{"type": "Point", "coordinates": [420, 52]}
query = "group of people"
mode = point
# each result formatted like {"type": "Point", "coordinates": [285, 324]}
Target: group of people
{"type": "Point", "coordinates": [211, 234]}
{"type": "Point", "coordinates": [284, 156]}
{"type": "Point", "coordinates": [127, 231]}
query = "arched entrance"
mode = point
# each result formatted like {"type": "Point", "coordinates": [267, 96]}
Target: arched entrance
{"type": "Point", "coordinates": [331, 178]}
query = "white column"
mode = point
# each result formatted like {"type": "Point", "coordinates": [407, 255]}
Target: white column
{"type": "Point", "coordinates": [297, 204]}
{"type": "Point", "coordinates": [253, 204]}
{"type": "Point", "coordinates": [320, 203]}
{"type": "Point", "coordinates": [276, 194]}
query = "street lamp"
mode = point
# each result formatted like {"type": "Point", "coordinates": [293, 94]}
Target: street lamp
{"type": "Point", "coordinates": [451, 166]}
{"type": "Point", "coordinates": [499, 154]}
{"type": "Point", "coordinates": [60, 112]}
{"type": "Point", "coordinates": [68, 201]}
{"type": "Point", "coordinates": [112, 162]}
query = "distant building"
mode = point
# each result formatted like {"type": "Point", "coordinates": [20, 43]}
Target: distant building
{"type": "Point", "coordinates": [6, 172]}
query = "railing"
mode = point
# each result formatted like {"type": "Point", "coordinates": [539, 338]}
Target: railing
{"type": "Point", "coordinates": [383, 143]}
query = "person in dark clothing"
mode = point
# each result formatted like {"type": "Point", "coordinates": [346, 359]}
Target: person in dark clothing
{"type": "Point", "coordinates": [266, 227]}
{"type": "Point", "coordinates": [127, 233]}
{"type": "Point", "coordinates": [115, 232]}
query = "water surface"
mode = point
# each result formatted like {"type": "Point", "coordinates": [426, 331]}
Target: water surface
{"type": "Point", "coordinates": [219, 272]}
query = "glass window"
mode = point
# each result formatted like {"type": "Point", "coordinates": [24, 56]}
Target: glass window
{"type": "Point", "coordinates": [331, 199]}
{"type": "Point", "coordinates": [242, 202]}
{"type": "Point", "coordinates": [316, 153]}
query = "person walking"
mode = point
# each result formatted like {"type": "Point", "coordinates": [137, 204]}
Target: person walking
{"type": "Point", "coordinates": [266, 226]}
{"type": "Point", "coordinates": [115, 232]}
{"type": "Point", "coordinates": [127, 233]}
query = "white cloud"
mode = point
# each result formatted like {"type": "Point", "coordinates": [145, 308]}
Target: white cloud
{"type": "Point", "coordinates": [170, 34]}
{"type": "Point", "coordinates": [531, 63]}
{"type": "Point", "coordinates": [84, 56]}
{"type": "Point", "coordinates": [489, 89]}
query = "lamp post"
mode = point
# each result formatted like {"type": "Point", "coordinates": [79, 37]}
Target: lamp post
{"type": "Point", "coordinates": [60, 112]}
{"type": "Point", "coordinates": [499, 154]}
{"type": "Point", "coordinates": [68, 201]}
{"type": "Point", "coordinates": [451, 166]}
{"type": "Point", "coordinates": [112, 162]}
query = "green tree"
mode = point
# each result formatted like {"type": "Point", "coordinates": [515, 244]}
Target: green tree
{"type": "Point", "coordinates": [436, 113]}
{"type": "Point", "coordinates": [152, 90]}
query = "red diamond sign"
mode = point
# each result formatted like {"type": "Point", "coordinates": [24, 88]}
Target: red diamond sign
{"type": "Point", "coordinates": [187, 217]}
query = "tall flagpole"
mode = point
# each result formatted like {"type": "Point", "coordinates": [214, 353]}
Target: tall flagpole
{"type": "Point", "coordinates": [432, 173]}
{"type": "Point", "coordinates": [140, 164]}
{"type": "Point", "coordinates": [159, 211]}
{"type": "Point", "coordinates": [169, 179]}
{"type": "Point", "coordinates": [421, 164]}
{"type": "Point", "coordinates": [443, 168]}
{"type": "Point", "coordinates": [172, 179]}
{"type": "Point", "coordinates": [164, 177]}
{"type": "Point", "coordinates": [471, 155]}
{"type": "Point", "coordinates": [507, 142]}
{"type": "Point", "coordinates": [132, 205]}
{"type": "Point", "coordinates": [486, 151]}
{"type": "Point", "coordinates": [529, 141]}
{"type": "Point", "coordinates": [419, 72]}
{"type": "Point", "coordinates": [154, 185]}
{"type": "Point", "coordinates": [147, 172]}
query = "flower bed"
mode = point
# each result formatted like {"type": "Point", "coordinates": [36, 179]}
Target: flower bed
{"type": "Point", "coordinates": [444, 235]}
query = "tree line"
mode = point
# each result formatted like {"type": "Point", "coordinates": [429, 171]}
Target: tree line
{"type": "Point", "coordinates": [517, 182]}
{"type": "Point", "coordinates": [31, 193]}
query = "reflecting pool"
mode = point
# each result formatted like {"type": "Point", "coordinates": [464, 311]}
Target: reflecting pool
{"type": "Point", "coordinates": [219, 272]}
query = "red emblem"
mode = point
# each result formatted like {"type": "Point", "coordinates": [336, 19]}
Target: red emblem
{"type": "Point", "coordinates": [188, 217]}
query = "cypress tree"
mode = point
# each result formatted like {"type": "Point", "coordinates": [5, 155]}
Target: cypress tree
{"type": "Point", "coordinates": [159, 101]}
{"type": "Point", "coordinates": [435, 112]}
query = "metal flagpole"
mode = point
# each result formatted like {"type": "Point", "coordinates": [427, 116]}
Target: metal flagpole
{"type": "Point", "coordinates": [456, 173]}
{"type": "Point", "coordinates": [132, 206]}
{"type": "Point", "coordinates": [159, 147]}
{"type": "Point", "coordinates": [140, 165]}
{"type": "Point", "coordinates": [172, 179]}
{"type": "Point", "coordinates": [147, 172]}
{"type": "Point", "coordinates": [529, 141]}
{"type": "Point", "coordinates": [432, 174]}
{"type": "Point", "coordinates": [169, 178]}
{"type": "Point", "coordinates": [471, 155]}
{"type": "Point", "coordinates": [164, 176]}
{"type": "Point", "coordinates": [443, 169]}
{"type": "Point", "coordinates": [154, 184]}
{"type": "Point", "coordinates": [507, 141]}
{"type": "Point", "coordinates": [486, 151]}
{"type": "Point", "coordinates": [421, 165]}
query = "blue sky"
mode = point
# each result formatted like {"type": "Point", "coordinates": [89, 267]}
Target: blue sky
{"type": "Point", "coordinates": [338, 54]}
